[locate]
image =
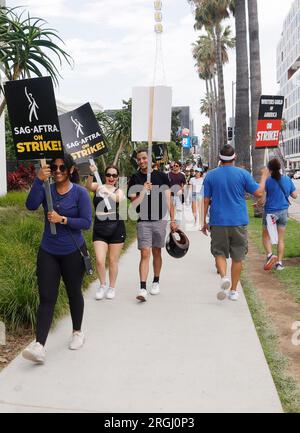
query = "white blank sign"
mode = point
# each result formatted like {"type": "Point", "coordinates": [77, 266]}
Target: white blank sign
{"type": "Point", "coordinates": [141, 113]}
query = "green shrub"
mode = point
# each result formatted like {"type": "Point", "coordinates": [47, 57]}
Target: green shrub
{"type": "Point", "coordinates": [20, 236]}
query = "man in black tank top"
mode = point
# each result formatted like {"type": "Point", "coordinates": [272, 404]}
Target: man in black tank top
{"type": "Point", "coordinates": [152, 202]}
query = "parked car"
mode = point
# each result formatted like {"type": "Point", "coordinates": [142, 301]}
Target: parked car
{"type": "Point", "coordinates": [290, 173]}
{"type": "Point", "coordinates": [297, 175]}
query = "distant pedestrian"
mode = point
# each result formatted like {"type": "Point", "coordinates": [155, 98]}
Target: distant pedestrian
{"type": "Point", "coordinates": [152, 201]}
{"type": "Point", "coordinates": [225, 188]}
{"type": "Point", "coordinates": [278, 190]}
{"type": "Point", "coordinates": [196, 188]}
{"type": "Point", "coordinates": [178, 182]}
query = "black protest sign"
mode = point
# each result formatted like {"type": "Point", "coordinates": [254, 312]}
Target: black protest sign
{"type": "Point", "coordinates": [133, 160]}
{"type": "Point", "coordinates": [269, 122]}
{"type": "Point", "coordinates": [81, 134]}
{"type": "Point", "coordinates": [160, 152]}
{"type": "Point", "coordinates": [271, 107]}
{"type": "Point", "coordinates": [33, 117]}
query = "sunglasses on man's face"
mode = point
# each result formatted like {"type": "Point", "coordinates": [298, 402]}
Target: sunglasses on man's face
{"type": "Point", "coordinates": [115, 176]}
{"type": "Point", "coordinates": [176, 166]}
{"type": "Point", "coordinates": [62, 168]}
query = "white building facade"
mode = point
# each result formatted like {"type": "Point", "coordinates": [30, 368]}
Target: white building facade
{"type": "Point", "coordinates": [288, 77]}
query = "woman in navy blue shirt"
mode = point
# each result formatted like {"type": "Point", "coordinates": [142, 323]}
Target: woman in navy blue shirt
{"type": "Point", "coordinates": [58, 254]}
{"type": "Point", "coordinates": [278, 190]}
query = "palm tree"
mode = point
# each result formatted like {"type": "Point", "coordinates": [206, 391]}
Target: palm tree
{"type": "Point", "coordinates": [255, 83]}
{"type": "Point", "coordinates": [242, 122]}
{"type": "Point", "coordinates": [210, 14]}
{"type": "Point", "coordinates": [25, 48]}
{"type": "Point", "coordinates": [117, 132]}
{"type": "Point", "coordinates": [206, 70]}
{"type": "Point", "coordinates": [204, 51]}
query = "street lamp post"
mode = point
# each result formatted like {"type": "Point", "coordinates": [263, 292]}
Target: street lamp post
{"type": "Point", "coordinates": [3, 181]}
{"type": "Point", "coordinates": [233, 115]}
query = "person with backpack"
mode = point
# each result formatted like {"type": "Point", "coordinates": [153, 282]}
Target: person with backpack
{"type": "Point", "coordinates": [278, 190]}
{"type": "Point", "coordinates": [60, 255]}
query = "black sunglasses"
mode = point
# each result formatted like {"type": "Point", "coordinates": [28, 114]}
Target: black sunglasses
{"type": "Point", "coordinates": [115, 176]}
{"type": "Point", "coordinates": [62, 168]}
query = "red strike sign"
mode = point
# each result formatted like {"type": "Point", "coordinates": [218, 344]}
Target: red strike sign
{"type": "Point", "coordinates": [267, 134]}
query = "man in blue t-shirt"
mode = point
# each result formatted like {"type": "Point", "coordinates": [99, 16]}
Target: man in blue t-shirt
{"type": "Point", "coordinates": [224, 190]}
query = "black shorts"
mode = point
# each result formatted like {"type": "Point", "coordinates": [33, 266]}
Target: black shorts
{"type": "Point", "coordinates": [111, 232]}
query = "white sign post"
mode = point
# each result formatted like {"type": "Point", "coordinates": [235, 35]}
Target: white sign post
{"type": "Point", "coordinates": [151, 117]}
{"type": "Point", "coordinates": [3, 182]}
{"type": "Point", "coordinates": [99, 181]}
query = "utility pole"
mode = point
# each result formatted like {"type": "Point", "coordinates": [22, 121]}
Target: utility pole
{"type": "Point", "coordinates": [233, 115]}
{"type": "Point", "coordinates": [3, 181]}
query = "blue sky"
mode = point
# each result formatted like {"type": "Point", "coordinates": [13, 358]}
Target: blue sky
{"type": "Point", "coordinates": [113, 45]}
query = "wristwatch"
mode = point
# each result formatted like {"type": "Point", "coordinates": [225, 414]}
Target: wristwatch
{"type": "Point", "coordinates": [63, 220]}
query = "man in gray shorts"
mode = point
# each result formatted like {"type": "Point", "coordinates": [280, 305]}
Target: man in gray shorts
{"type": "Point", "coordinates": [225, 189]}
{"type": "Point", "coordinates": [152, 202]}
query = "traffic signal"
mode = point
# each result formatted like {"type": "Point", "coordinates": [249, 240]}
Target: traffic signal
{"type": "Point", "coordinates": [229, 133]}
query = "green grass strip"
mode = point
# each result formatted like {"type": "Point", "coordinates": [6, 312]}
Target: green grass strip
{"type": "Point", "coordinates": [287, 388]}
{"type": "Point", "coordinates": [20, 236]}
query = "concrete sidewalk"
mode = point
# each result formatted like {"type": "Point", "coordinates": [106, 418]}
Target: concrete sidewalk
{"type": "Point", "coordinates": [182, 351]}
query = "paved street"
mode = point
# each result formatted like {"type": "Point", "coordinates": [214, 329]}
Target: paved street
{"type": "Point", "coordinates": [182, 351]}
{"type": "Point", "coordinates": [294, 210]}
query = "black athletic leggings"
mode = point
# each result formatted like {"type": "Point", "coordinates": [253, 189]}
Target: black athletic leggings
{"type": "Point", "coordinates": [50, 269]}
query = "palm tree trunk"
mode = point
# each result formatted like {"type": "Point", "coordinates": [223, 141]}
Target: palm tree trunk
{"type": "Point", "coordinates": [2, 106]}
{"type": "Point", "coordinates": [103, 162]}
{"type": "Point", "coordinates": [242, 139]}
{"type": "Point", "coordinates": [218, 115]}
{"type": "Point", "coordinates": [221, 92]}
{"type": "Point", "coordinates": [119, 151]}
{"type": "Point", "coordinates": [214, 123]}
{"type": "Point", "coordinates": [16, 75]}
{"type": "Point", "coordinates": [210, 122]}
{"type": "Point", "coordinates": [255, 81]}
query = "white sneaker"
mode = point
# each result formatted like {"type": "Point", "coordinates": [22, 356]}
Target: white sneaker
{"type": "Point", "coordinates": [233, 295]}
{"type": "Point", "coordinates": [279, 266]}
{"type": "Point", "coordinates": [155, 290]}
{"type": "Point", "coordinates": [142, 295]}
{"type": "Point", "coordinates": [100, 292]}
{"type": "Point", "coordinates": [225, 286]}
{"type": "Point", "coordinates": [111, 293]}
{"type": "Point", "coordinates": [35, 352]}
{"type": "Point", "coordinates": [77, 340]}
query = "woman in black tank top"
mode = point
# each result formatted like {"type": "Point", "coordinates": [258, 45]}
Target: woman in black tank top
{"type": "Point", "coordinates": [109, 231]}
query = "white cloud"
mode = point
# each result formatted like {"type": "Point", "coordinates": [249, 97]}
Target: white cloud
{"type": "Point", "coordinates": [112, 42]}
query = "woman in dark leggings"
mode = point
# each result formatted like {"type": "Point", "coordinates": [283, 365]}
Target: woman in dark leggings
{"type": "Point", "coordinates": [58, 256]}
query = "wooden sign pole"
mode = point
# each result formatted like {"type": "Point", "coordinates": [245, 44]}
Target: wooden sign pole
{"type": "Point", "coordinates": [150, 134]}
{"type": "Point", "coordinates": [266, 158]}
{"type": "Point", "coordinates": [99, 181]}
{"type": "Point", "coordinates": [49, 198]}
